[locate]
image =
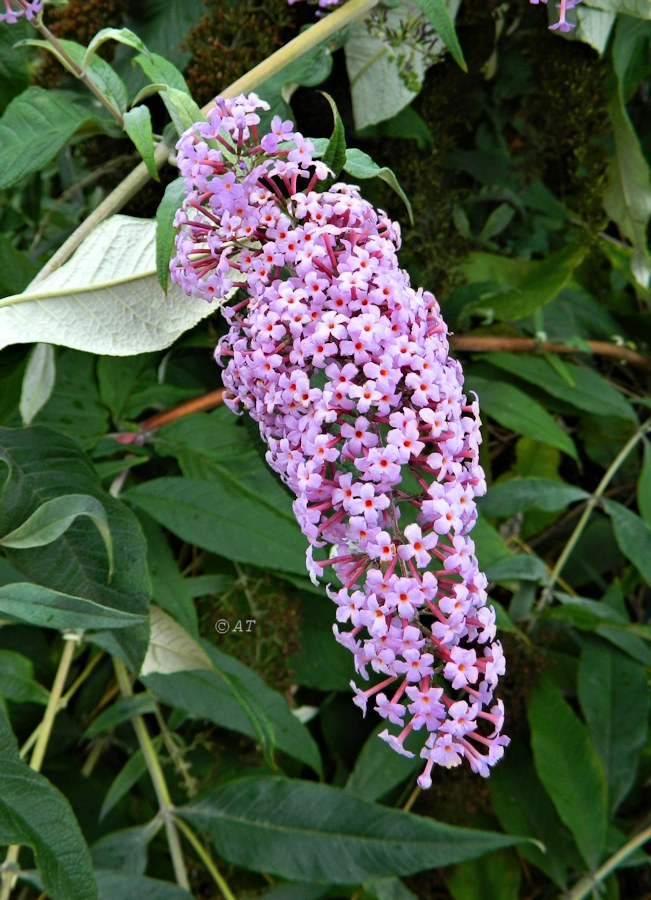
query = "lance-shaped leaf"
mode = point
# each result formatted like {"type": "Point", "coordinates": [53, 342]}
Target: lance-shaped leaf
{"type": "Point", "coordinates": [232, 696]}
{"type": "Point", "coordinates": [121, 35]}
{"type": "Point", "coordinates": [137, 124]}
{"type": "Point", "coordinates": [165, 231]}
{"type": "Point", "coordinates": [106, 299]}
{"type": "Point", "coordinates": [53, 519]}
{"type": "Point", "coordinates": [33, 813]}
{"type": "Point", "coordinates": [437, 13]}
{"type": "Point", "coordinates": [71, 572]}
{"type": "Point", "coordinates": [313, 832]}
{"type": "Point", "coordinates": [569, 768]}
{"type": "Point", "coordinates": [36, 125]}
{"type": "Point", "coordinates": [335, 153]}
{"type": "Point", "coordinates": [38, 605]}
{"type": "Point", "coordinates": [627, 199]}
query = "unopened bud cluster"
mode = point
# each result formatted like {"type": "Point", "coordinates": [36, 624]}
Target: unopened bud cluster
{"type": "Point", "coordinates": [346, 368]}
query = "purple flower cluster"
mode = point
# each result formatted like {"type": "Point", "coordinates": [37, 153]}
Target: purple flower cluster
{"type": "Point", "coordinates": [346, 369]}
{"type": "Point", "coordinates": [14, 9]}
{"type": "Point", "coordinates": [563, 7]}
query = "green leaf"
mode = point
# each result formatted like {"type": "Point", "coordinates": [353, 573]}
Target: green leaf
{"type": "Point", "coordinates": [125, 850]}
{"type": "Point", "coordinates": [627, 198]}
{"type": "Point", "coordinates": [38, 605]}
{"type": "Point", "coordinates": [16, 268]}
{"type": "Point", "coordinates": [494, 877]}
{"type": "Point", "coordinates": [584, 613]}
{"type": "Point", "coordinates": [634, 8]}
{"type": "Point", "coordinates": [520, 286]}
{"type": "Point", "coordinates": [121, 35]}
{"type": "Point", "coordinates": [103, 75]}
{"type": "Point", "coordinates": [614, 697]}
{"type": "Point", "coordinates": [320, 662]}
{"type": "Point", "coordinates": [38, 382]}
{"type": "Point", "coordinates": [499, 219]}
{"type": "Point", "coordinates": [644, 485]}
{"type": "Point", "coordinates": [520, 494]}
{"type": "Point", "coordinates": [74, 408]}
{"type": "Point", "coordinates": [105, 299]}
{"type": "Point", "coordinates": [437, 13]}
{"type": "Point", "coordinates": [334, 156]}
{"type": "Point", "coordinates": [165, 231]}
{"type": "Point", "coordinates": [589, 391]}
{"type": "Point", "coordinates": [578, 791]}
{"type": "Point", "coordinates": [128, 776]}
{"type": "Point", "coordinates": [523, 807]}
{"type": "Point", "coordinates": [379, 769]}
{"type": "Point", "coordinates": [54, 517]}
{"type": "Point", "coordinates": [387, 889]}
{"type": "Point", "coordinates": [312, 832]}
{"type": "Point", "coordinates": [171, 649]}
{"type": "Point", "coordinates": [360, 165]}
{"type": "Point", "coordinates": [170, 590]}
{"type": "Point", "coordinates": [137, 124]}
{"type": "Point", "coordinates": [161, 70]}
{"type": "Point", "coordinates": [17, 679]}
{"type": "Point", "coordinates": [633, 537]}
{"type": "Point", "coordinates": [119, 378]}
{"type": "Point", "coordinates": [29, 806]}
{"type": "Point", "coordinates": [234, 697]}
{"type": "Point", "coordinates": [134, 887]}
{"type": "Point", "coordinates": [163, 26]}
{"type": "Point", "coordinates": [34, 128]}
{"type": "Point", "coordinates": [594, 26]}
{"type": "Point", "coordinates": [14, 62]}
{"type": "Point", "coordinates": [521, 567]}
{"type": "Point", "coordinates": [71, 572]}
{"type": "Point", "coordinates": [516, 410]}
{"type": "Point", "coordinates": [218, 447]}
{"type": "Point", "coordinates": [183, 110]}
{"type": "Point", "coordinates": [123, 710]}
{"type": "Point", "coordinates": [407, 124]}
{"type": "Point", "coordinates": [220, 517]}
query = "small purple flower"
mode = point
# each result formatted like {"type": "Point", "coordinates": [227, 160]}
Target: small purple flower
{"type": "Point", "coordinates": [14, 9]}
{"type": "Point", "coordinates": [346, 369]}
{"type": "Point", "coordinates": [564, 5]}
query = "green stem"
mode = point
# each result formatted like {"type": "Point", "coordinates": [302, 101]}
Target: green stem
{"type": "Point", "coordinates": [138, 178]}
{"type": "Point", "coordinates": [44, 733]}
{"type": "Point", "coordinates": [63, 701]}
{"type": "Point", "coordinates": [205, 858]}
{"type": "Point", "coordinates": [69, 63]}
{"type": "Point", "coordinates": [53, 704]}
{"type": "Point", "coordinates": [612, 470]}
{"type": "Point", "coordinates": [589, 883]}
{"type": "Point", "coordinates": [158, 780]}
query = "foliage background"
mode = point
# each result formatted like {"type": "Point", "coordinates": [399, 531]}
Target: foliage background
{"type": "Point", "coordinates": [529, 181]}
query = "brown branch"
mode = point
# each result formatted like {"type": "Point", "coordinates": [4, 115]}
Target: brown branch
{"type": "Point", "coordinates": [197, 404]}
{"type": "Point", "coordinates": [496, 344]}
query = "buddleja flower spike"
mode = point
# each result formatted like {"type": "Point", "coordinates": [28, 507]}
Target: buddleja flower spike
{"type": "Point", "coordinates": [346, 368]}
